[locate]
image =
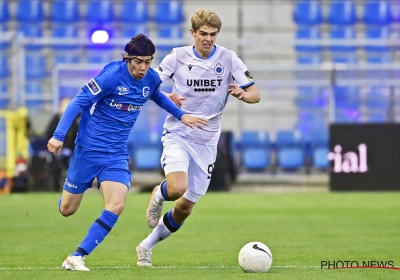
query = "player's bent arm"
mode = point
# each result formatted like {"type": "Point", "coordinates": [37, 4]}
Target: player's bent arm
{"type": "Point", "coordinates": [80, 101]}
{"type": "Point", "coordinates": [164, 102]}
{"type": "Point", "coordinates": [252, 95]}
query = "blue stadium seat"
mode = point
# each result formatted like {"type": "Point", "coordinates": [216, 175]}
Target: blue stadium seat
{"type": "Point", "coordinates": [347, 115]}
{"type": "Point", "coordinates": [290, 150]}
{"type": "Point", "coordinates": [169, 12]}
{"type": "Point", "coordinates": [339, 34]}
{"type": "Point", "coordinates": [378, 98]}
{"type": "Point", "coordinates": [129, 31]}
{"type": "Point", "coordinates": [34, 95]}
{"type": "Point", "coordinates": [377, 33]}
{"type": "Point", "coordinates": [30, 11]}
{"type": "Point", "coordinates": [308, 33]}
{"type": "Point", "coordinates": [377, 116]}
{"type": "Point", "coordinates": [36, 67]}
{"type": "Point", "coordinates": [345, 58]}
{"type": "Point", "coordinates": [100, 11]}
{"type": "Point", "coordinates": [64, 31]}
{"type": "Point", "coordinates": [135, 12]}
{"type": "Point", "coordinates": [310, 121]}
{"type": "Point", "coordinates": [311, 97]}
{"type": "Point", "coordinates": [342, 12]}
{"type": "Point", "coordinates": [4, 95]}
{"type": "Point", "coordinates": [347, 97]}
{"type": "Point", "coordinates": [4, 12]}
{"type": "Point", "coordinates": [377, 13]}
{"type": "Point", "coordinates": [4, 70]}
{"type": "Point", "coordinates": [66, 11]}
{"type": "Point", "coordinates": [31, 30]}
{"type": "Point", "coordinates": [256, 150]}
{"type": "Point", "coordinates": [168, 32]}
{"type": "Point", "coordinates": [147, 158]}
{"type": "Point", "coordinates": [308, 12]}
{"type": "Point", "coordinates": [319, 145]}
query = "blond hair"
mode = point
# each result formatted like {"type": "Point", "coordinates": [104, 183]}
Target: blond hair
{"type": "Point", "coordinates": [205, 17]}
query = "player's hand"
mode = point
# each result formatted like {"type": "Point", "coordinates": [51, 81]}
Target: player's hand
{"type": "Point", "coordinates": [175, 98]}
{"type": "Point", "coordinates": [192, 122]}
{"type": "Point", "coordinates": [55, 146]}
{"type": "Point", "coordinates": [236, 91]}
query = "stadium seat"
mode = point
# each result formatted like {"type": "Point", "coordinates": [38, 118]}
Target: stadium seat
{"type": "Point", "coordinates": [4, 70]}
{"type": "Point", "coordinates": [134, 12]}
{"type": "Point", "coordinates": [34, 95]}
{"type": "Point", "coordinates": [65, 11]}
{"type": "Point", "coordinates": [147, 158]}
{"type": "Point", "coordinates": [36, 67]}
{"type": "Point", "coordinates": [290, 150]}
{"type": "Point", "coordinates": [100, 11]}
{"type": "Point", "coordinates": [169, 12]}
{"type": "Point", "coordinates": [374, 116]}
{"type": "Point", "coordinates": [308, 12]}
{"type": "Point", "coordinates": [129, 31]}
{"type": "Point", "coordinates": [378, 98]}
{"type": "Point", "coordinates": [4, 94]}
{"type": "Point", "coordinates": [377, 13]}
{"type": "Point", "coordinates": [4, 12]}
{"type": "Point", "coordinates": [255, 150]}
{"type": "Point", "coordinates": [342, 12]}
{"type": "Point", "coordinates": [65, 53]}
{"type": "Point", "coordinates": [308, 33]}
{"type": "Point", "coordinates": [31, 30]}
{"type": "Point", "coordinates": [345, 58]}
{"type": "Point", "coordinates": [166, 33]}
{"type": "Point", "coordinates": [30, 11]}
{"type": "Point", "coordinates": [311, 97]}
{"type": "Point", "coordinates": [377, 33]}
{"type": "Point", "coordinates": [319, 145]}
{"type": "Point", "coordinates": [340, 34]}
{"type": "Point", "coordinates": [347, 97]}
{"type": "Point", "coordinates": [347, 115]}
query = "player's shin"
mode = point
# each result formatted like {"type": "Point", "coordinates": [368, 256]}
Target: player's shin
{"type": "Point", "coordinates": [97, 232]}
{"type": "Point", "coordinates": [166, 226]}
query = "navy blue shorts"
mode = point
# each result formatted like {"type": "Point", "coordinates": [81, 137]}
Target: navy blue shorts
{"type": "Point", "coordinates": [87, 164]}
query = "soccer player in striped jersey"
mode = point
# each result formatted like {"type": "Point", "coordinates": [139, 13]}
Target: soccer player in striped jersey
{"type": "Point", "coordinates": [109, 105]}
{"type": "Point", "coordinates": [204, 77]}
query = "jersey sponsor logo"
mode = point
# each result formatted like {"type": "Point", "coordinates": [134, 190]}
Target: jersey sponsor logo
{"type": "Point", "coordinates": [93, 87]}
{"type": "Point", "coordinates": [204, 85]}
{"type": "Point", "coordinates": [248, 75]}
{"type": "Point", "coordinates": [219, 69]}
{"type": "Point", "coordinates": [122, 90]}
{"type": "Point", "coordinates": [125, 107]}
{"type": "Point", "coordinates": [145, 91]}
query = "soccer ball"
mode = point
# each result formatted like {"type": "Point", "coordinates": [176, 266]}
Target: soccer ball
{"type": "Point", "coordinates": [255, 257]}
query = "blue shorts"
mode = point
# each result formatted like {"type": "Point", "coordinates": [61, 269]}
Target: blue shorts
{"type": "Point", "coordinates": [87, 164]}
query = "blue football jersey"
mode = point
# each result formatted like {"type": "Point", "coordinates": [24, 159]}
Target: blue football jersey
{"type": "Point", "coordinates": [117, 101]}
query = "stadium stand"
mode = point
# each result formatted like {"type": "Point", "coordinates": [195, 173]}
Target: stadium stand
{"type": "Point", "coordinates": [256, 150]}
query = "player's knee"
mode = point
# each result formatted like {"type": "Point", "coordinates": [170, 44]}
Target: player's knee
{"type": "Point", "coordinates": [176, 190]}
{"type": "Point", "coordinates": [116, 208]}
{"type": "Point", "coordinates": [184, 209]}
{"type": "Point", "coordinates": [67, 210]}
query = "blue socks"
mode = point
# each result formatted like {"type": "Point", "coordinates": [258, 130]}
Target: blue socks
{"type": "Point", "coordinates": [59, 203]}
{"type": "Point", "coordinates": [164, 190]}
{"type": "Point", "coordinates": [169, 222]}
{"type": "Point", "coordinates": [97, 232]}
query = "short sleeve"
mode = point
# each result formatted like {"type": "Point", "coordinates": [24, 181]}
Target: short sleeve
{"type": "Point", "coordinates": [240, 73]}
{"type": "Point", "coordinates": [100, 86]}
{"type": "Point", "coordinates": [166, 69]}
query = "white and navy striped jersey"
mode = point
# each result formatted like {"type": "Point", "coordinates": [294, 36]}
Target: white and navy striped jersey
{"type": "Point", "coordinates": [205, 84]}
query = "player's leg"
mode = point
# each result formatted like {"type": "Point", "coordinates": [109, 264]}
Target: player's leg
{"type": "Point", "coordinates": [175, 161]}
{"type": "Point", "coordinates": [199, 178]}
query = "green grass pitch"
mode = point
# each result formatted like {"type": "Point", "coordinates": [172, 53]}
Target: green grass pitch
{"type": "Point", "coordinates": [301, 230]}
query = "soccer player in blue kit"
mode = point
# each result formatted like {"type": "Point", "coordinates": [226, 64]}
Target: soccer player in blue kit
{"type": "Point", "coordinates": [109, 105]}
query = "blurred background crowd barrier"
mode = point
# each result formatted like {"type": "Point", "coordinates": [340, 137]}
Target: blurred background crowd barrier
{"type": "Point", "coordinates": [316, 63]}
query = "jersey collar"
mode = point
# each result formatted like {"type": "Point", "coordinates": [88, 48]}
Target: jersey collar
{"type": "Point", "coordinates": [199, 56]}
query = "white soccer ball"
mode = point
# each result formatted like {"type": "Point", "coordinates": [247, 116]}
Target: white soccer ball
{"type": "Point", "coordinates": [255, 257]}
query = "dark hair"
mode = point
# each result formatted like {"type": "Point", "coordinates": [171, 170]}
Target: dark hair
{"type": "Point", "coordinates": [140, 45]}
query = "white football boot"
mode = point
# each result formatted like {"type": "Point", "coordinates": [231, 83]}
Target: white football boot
{"type": "Point", "coordinates": [143, 256]}
{"type": "Point", "coordinates": [153, 212]}
{"type": "Point", "coordinates": [75, 263]}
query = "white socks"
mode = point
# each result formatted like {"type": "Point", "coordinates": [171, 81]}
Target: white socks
{"type": "Point", "coordinates": [159, 233]}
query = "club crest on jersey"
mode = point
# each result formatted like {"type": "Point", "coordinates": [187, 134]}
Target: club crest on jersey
{"type": "Point", "coordinates": [146, 91]}
{"type": "Point", "coordinates": [219, 69]}
{"type": "Point", "coordinates": [93, 87]}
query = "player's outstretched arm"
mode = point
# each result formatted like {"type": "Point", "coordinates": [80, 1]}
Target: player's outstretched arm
{"type": "Point", "coordinates": [174, 97]}
{"type": "Point", "coordinates": [248, 95]}
{"type": "Point", "coordinates": [192, 121]}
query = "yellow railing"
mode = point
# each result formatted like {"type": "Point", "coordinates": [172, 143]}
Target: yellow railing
{"type": "Point", "coordinates": [17, 142]}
